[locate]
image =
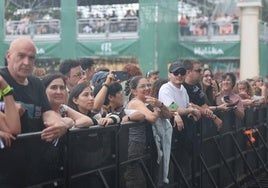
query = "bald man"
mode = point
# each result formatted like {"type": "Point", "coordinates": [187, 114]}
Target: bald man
{"type": "Point", "coordinates": [30, 92]}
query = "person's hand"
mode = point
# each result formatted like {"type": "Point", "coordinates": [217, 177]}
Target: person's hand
{"type": "Point", "coordinates": [53, 131]}
{"type": "Point", "coordinates": [82, 79]}
{"type": "Point", "coordinates": [224, 107]}
{"type": "Point", "coordinates": [178, 122]}
{"type": "Point", "coordinates": [110, 78]}
{"type": "Point", "coordinates": [153, 101]}
{"type": "Point", "coordinates": [105, 121]}
{"type": "Point", "coordinates": [244, 95]}
{"type": "Point", "coordinates": [195, 114]}
{"type": "Point", "coordinates": [7, 138]}
{"type": "Point", "coordinates": [207, 112]}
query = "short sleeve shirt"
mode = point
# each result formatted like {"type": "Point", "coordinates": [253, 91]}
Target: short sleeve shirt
{"type": "Point", "coordinates": [33, 98]}
{"type": "Point", "coordinates": [196, 95]}
{"type": "Point", "coordinates": [168, 94]}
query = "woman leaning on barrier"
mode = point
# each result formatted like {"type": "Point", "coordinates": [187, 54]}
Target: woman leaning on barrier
{"type": "Point", "coordinates": [245, 91]}
{"type": "Point", "coordinates": [114, 102]}
{"type": "Point", "coordinates": [9, 115]}
{"type": "Point", "coordinates": [81, 99]}
{"type": "Point", "coordinates": [153, 109]}
{"type": "Point", "coordinates": [55, 86]}
{"type": "Point", "coordinates": [227, 96]}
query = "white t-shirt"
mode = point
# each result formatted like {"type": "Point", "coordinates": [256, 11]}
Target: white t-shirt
{"type": "Point", "coordinates": [168, 93]}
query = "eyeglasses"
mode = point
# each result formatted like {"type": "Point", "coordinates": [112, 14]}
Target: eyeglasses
{"type": "Point", "coordinates": [182, 72]}
{"type": "Point", "coordinates": [208, 75]}
{"type": "Point", "coordinates": [197, 70]}
{"type": "Point", "coordinates": [80, 74]}
{"type": "Point", "coordinates": [143, 86]}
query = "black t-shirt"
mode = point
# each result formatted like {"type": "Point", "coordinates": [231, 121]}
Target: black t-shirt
{"type": "Point", "coordinates": [196, 95]}
{"type": "Point", "coordinates": [33, 98]}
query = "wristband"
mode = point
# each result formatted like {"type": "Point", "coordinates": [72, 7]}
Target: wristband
{"type": "Point", "coordinates": [106, 85]}
{"type": "Point", "coordinates": [128, 118]}
{"type": "Point", "coordinates": [95, 122]}
{"type": "Point", "coordinates": [7, 91]}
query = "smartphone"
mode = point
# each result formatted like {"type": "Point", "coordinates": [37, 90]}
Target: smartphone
{"type": "Point", "coordinates": [232, 104]}
{"type": "Point", "coordinates": [121, 75]}
{"type": "Point", "coordinates": [173, 106]}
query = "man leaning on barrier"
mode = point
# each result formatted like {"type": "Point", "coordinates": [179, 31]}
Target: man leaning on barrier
{"type": "Point", "coordinates": [193, 87]}
{"type": "Point", "coordinates": [30, 92]}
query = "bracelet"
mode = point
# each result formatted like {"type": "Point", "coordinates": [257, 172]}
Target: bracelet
{"type": "Point", "coordinates": [95, 122]}
{"type": "Point", "coordinates": [128, 118]}
{"type": "Point", "coordinates": [162, 104]}
{"type": "Point", "coordinates": [216, 108]}
{"type": "Point", "coordinates": [106, 85]}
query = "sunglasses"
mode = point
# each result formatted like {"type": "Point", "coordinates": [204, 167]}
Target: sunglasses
{"type": "Point", "coordinates": [182, 72]}
{"type": "Point", "coordinates": [197, 70]}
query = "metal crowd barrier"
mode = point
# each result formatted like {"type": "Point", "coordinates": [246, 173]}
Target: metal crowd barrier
{"type": "Point", "coordinates": [202, 156]}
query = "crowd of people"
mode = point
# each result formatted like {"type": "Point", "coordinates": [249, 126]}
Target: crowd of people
{"type": "Point", "coordinates": [77, 95]}
{"type": "Point", "coordinates": [32, 24]}
{"type": "Point", "coordinates": [109, 23]}
{"type": "Point", "coordinates": [221, 24]}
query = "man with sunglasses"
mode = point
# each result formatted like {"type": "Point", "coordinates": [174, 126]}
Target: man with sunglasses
{"type": "Point", "coordinates": [193, 87]}
{"type": "Point", "coordinates": [174, 95]}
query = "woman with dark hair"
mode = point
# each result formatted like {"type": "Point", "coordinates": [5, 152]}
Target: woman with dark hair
{"type": "Point", "coordinates": [153, 109]}
{"type": "Point", "coordinates": [132, 71]}
{"type": "Point", "coordinates": [81, 99]}
{"type": "Point", "coordinates": [228, 97]}
{"type": "Point", "coordinates": [55, 86]}
{"type": "Point", "coordinates": [114, 104]}
{"type": "Point", "coordinates": [209, 87]}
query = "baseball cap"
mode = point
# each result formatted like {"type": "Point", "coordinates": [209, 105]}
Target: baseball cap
{"type": "Point", "coordinates": [98, 76]}
{"type": "Point", "coordinates": [151, 72]}
{"type": "Point", "coordinates": [176, 66]}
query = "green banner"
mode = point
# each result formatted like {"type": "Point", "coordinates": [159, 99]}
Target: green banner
{"type": "Point", "coordinates": [48, 50]}
{"type": "Point", "coordinates": [263, 49]}
{"type": "Point", "coordinates": [209, 50]}
{"type": "Point", "coordinates": [107, 48]}
{"type": "Point", "coordinates": [43, 49]}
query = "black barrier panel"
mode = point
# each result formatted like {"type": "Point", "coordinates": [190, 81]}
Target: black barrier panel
{"type": "Point", "coordinates": [30, 161]}
{"type": "Point", "coordinates": [92, 153]}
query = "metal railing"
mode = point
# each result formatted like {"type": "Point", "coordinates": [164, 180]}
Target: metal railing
{"type": "Point", "coordinates": [95, 28]}
{"type": "Point", "coordinates": [202, 156]}
{"type": "Point", "coordinates": [35, 27]}
{"type": "Point", "coordinates": [213, 31]}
